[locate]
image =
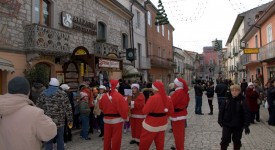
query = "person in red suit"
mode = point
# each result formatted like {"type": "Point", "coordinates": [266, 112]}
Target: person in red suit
{"type": "Point", "coordinates": [115, 110]}
{"type": "Point", "coordinates": [251, 96]}
{"type": "Point", "coordinates": [157, 108]}
{"type": "Point", "coordinates": [137, 102]}
{"type": "Point", "coordinates": [180, 100]}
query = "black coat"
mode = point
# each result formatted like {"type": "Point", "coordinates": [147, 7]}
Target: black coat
{"type": "Point", "coordinates": [221, 90]}
{"type": "Point", "coordinates": [210, 91]}
{"type": "Point", "coordinates": [234, 112]}
{"type": "Point", "coordinates": [198, 90]}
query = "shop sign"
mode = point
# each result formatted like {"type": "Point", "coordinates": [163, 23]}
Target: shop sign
{"type": "Point", "coordinates": [80, 52]}
{"type": "Point", "coordinates": [251, 50]}
{"type": "Point", "coordinates": [105, 63]}
{"type": "Point", "coordinates": [78, 23]}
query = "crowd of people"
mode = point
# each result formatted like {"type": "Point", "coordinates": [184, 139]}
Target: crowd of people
{"type": "Point", "coordinates": [46, 114]}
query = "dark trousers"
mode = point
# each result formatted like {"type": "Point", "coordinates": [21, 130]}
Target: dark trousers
{"type": "Point", "coordinates": [258, 113]}
{"type": "Point", "coordinates": [220, 100]}
{"type": "Point", "coordinates": [76, 121]}
{"type": "Point", "coordinates": [92, 120]}
{"type": "Point", "coordinates": [252, 116]}
{"type": "Point", "coordinates": [100, 123]}
{"type": "Point", "coordinates": [235, 133]}
{"type": "Point", "coordinates": [210, 103]}
{"type": "Point", "coordinates": [198, 104]}
{"type": "Point", "coordinates": [67, 132]}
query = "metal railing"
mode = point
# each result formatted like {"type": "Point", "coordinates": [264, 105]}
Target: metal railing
{"type": "Point", "coordinates": [47, 40]}
{"type": "Point", "coordinates": [157, 61]}
{"type": "Point", "coordinates": [267, 51]}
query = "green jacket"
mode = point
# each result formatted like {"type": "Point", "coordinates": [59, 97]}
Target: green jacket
{"type": "Point", "coordinates": [84, 108]}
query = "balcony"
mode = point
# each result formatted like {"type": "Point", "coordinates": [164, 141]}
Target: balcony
{"type": "Point", "coordinates": [145, 63]}
{"type": "Point", "coordinates": [247, 59]}
{"type": "Point", "coordinates": [267, 51]}
{"type": "Point", "coordinates": [157, 61]}
{"type": "Point", "coordinates": [103, 49]}
{"type": "Point", "coordinates": [46, 40]}
{"type": "Point", "coordinates": [240, 67]}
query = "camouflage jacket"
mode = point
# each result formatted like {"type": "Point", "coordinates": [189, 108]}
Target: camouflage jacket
{"type": "Point", "coordinates": [55, 105]}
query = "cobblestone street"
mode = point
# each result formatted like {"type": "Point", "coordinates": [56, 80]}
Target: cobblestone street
{"type": "Point", "coordinates": [202, 133]}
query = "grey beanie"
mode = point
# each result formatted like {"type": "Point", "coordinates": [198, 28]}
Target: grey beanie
{"type": "Point", "coordinates": [19, 85]}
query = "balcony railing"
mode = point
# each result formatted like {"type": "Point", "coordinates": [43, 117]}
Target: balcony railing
{"type": "Point", "coordinates": [245, 59]}
{"type": "Point", "coordinates": [267, 51]}
{"type": "Point", "coordinates": [46, 40]}
{"type": "Point", "coordinates": [145, 63]}
{"type": "Point", "coordinates": [157, 61]}
{"type": "Point", "coordinates": [106, 48]}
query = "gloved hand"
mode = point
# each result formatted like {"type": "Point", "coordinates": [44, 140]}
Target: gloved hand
{"type": "Point", "coordinates": [246, 130]}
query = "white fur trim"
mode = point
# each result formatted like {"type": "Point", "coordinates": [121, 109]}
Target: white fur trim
{"type": "Point", "coordinates": [138, 116]}
{"type": "Point", "coordinates": [135, 85]}
{"type": "Point", "coordinates": [178, 118]}
{"type": "Point", "coordinates": [165, 110]}
{"type": "Point", "coordinates": [113, 121]}
{"type": "Point", "coordinates": [132, 104]}
{"type": "Point", "coordinates": [154, 88]}
{"type": "Point", "coordinates": [178, 88]}
{"type": "Point", "coordinates": [154, 129]}
{"type": "Point", "coordinates": [178, 83]}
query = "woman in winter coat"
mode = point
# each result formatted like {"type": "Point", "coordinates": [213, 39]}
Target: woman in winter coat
{"type": "Point", "coordinates": [210, 94]}
{"type": "Point", "coordinates": [251, 100]}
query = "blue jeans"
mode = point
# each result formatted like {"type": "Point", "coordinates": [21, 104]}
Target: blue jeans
{"type": "Point", "coordinates": [220, 101]}
{"type": "Point", "coordinates": [198, 104]}
{"type": "Point", "coordinates": [59, 140]}
{"type": "Point", "coordinates": [85, 126]}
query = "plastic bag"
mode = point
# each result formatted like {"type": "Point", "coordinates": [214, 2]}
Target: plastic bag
{"type": "Point", "coordinates": [266, 105]}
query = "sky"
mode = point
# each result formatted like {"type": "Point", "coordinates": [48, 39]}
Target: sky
{"type": "Point", "coordinates": [199, 22]}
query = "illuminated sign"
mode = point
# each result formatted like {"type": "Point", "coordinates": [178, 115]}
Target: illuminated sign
{"type": "Point", "coordinates": [251, 50]}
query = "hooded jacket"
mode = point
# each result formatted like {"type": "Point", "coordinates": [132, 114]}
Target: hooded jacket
{"type": "Point", "coordinates": [23, 126]}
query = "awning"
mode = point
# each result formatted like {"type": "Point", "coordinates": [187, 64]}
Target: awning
{"type": "Point", "coordinates": [130, 70]}
{"type": "Point", "coordinates": [6, 65]}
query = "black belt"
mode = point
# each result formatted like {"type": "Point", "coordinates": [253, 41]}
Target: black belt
{"type": "Point", "coordinates": [112, 115]}
{"type": "Point", "coordinates": [157, 114]}
{"type": "Point", "coordinates": [178, 110]}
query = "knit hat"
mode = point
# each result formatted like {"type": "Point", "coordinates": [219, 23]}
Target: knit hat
{"type": "Point", "coordinates": [65, 87]}
{"type": "Point", "coordinates": [19, 85]}
{"type": "Point", "coordinates": [135, 85]}
{"type": "Point", "coordinates": [114, 84]}
{"type": "Point", "coordinates": [83, 94]}
{"type": "Point", "coordinates": [102, 87]}
{"type": "Point", "coordinates": [54, 82]}
{"type": "Point", "coordinates": [250, 83]}
{"type": "Point", "coordinates": [158, 86]}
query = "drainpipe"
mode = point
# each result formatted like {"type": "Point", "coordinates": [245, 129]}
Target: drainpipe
{"type": "Point", "coordinates": [132, 31]}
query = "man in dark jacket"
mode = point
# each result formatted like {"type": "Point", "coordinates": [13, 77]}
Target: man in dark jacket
{"type": "Point", "coordinates": [271, 102]}
{"type": "Point", "coordinates": [221, 90]}
{"type": "Point", "coordinates": [244, 85]}
{"type": "Point", "coordinates": [198, 96]}
{"type": "Point", "coordinates": [233, 118]}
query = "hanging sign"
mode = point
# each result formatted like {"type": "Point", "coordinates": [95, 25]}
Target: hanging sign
{"type": "Point", "coordinates": [251, 50]}
{"type": "Point", "coordinates": [105, 63]}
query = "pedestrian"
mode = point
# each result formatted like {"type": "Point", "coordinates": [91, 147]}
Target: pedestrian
{"type": "Point", "coordinates": [158, 108]}
{"type": "Point", "coordinates": [198, 96]}
{"type": "Point", "coordinates": [67, 129]}
{"type": "Point", "coordinates": [84, 110]}
{"type": "Point", "coordinates": [221, 90]}
{"type": "Point", "coordinates": [210, 95]}
{"type": "Point", "coordinates": [136, 102]}
{"type": "Point", "coordinates": [251, 100]}
{"type": "Point", "coordinates": [243, 86]}
{"type": "Point", "coordinates": [260, 91]}
{"type": "Point", "coordinates": [98, 112]}
{"type": "Point", "coordinates": [22, 125]}
{"type": "Point", "coordinates": [115, 110]}
{"type": "Point", "coordinates": [85, 87]}
{"type": "Point", "coordinates": [37, 88]}
{"type": "Point", "coordinates": [180, 99]}
{"type": "Point", "coordinates": [55, 104]}
{"type": "Point", "coordinates": [233, 118]}
{"type": "Point", "coordinates": [271, 102]}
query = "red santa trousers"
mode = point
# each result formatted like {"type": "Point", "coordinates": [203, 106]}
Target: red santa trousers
{"type": "Point", "coordinates": [136, 128]}
{"type": "Point", "coordinates": [112, 136]}
{"type": "Point", "coordinates": [179, 133]}
{"type": "Point", "coordinates": [148, 137]}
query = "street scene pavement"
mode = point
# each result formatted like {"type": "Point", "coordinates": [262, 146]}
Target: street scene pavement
{"type": "Point", "coordinates": [202, 133]}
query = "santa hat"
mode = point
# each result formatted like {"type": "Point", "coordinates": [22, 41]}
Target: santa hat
{"type": "Point", "coordinates": [135, 85]}
{"type": "Point", "coordinates": [158, 86]}
{"type": "Point", "coordinates": [102, 87]}
{"type": "Point", "coordinates": [250, 83]}
{"type": "Point", "coordinates": [180, 82]}
{"type": "Point", "coordinates": [113, 84]}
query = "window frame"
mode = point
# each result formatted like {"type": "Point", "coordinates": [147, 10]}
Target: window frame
{"type": "Point", "coordinates": [103, 38]}
{"type": "Point", "coordinates": [40, 18]}
{"type": "Point", "coordinates": [149, 18]}
{"type": "Point", "coordinates": [138, 19]}
{"type": "Point", "coordinates": [124, 41]}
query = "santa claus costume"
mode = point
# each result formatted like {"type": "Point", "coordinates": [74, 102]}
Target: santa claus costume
{"type": "Point", "coordinates": [157, 108]}
{"type": "Point", "coordinates": [115, 110]}
{"type": "Point", "coordinates": [180, 100]}
{"type": "Point", "coordinates": [137, 117]}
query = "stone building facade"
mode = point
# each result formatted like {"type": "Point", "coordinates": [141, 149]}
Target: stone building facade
{"type": "Point", "coordinates": [86, 34]}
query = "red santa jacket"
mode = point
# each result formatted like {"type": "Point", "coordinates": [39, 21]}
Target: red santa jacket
{"type": "Point", "coordinates": [154, 105]}
{"type": "Point", "coordinates": [137, 106]}
{"type": "Point", "coordinates": [114, 107]}
{"type": "Point", "coordinates": [180, 100]}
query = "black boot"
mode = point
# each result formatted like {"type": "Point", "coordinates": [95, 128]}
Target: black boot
{"type": "Point", "coordinates": [211, 110]}
{"type": "Point", "coordinates": [224, 147]}
{"type": "Point", "coordinates": [237, 146]}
